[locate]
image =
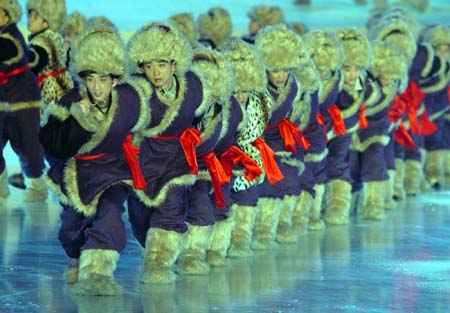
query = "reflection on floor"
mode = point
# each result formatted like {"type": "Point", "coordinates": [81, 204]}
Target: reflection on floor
{"type": "Point", "coordinates": [401, 264]}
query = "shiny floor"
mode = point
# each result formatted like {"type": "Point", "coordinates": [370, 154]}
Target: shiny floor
{"type": "Point", "coordinates": [401, 264]}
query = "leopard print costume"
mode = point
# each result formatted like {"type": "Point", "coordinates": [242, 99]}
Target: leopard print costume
{"type": "Point", "coordinates": [53, 88]}
{"type": "Point", "coordinates": [252, 126]}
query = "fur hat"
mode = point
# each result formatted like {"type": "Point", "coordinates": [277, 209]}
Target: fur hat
{"type": "Point", "coordinates": [280, 48]}
{"type": "Point", "coordinates": [400, 14]}
{"type": "Point", "coordinates": [298, 27]}
{"type": "Point", "coordinates": [100, 20]}
{"type": "Point", "coordinates": [217, 71]}
{"type": "Point", "coordinates": [424, 30]}
{"type": "Point", "coordinates": [265, 15]}
{"type": "Point", "coordinates": [186, 24]}
{"type": "Point", "coordinates": [324, 49]}
{"type": "Point", "coordinates": [159, 41]}
{"type": "Point", "coordinates": [438, 35]}
{"type": "Point", "coordinates": [388, 61]}
{"type": "Point", "coordinates": [309, 76]}
{"type": "Point", "coordinates": [75, 23]}
{"type": "Point", "coordinates": [248, 66]}
{"type": "Point", "coordinates": [12, 7]}
{"type": "Point", "coordinates": [215, 25]}
{"type": "Point", "coordinates": [357, 48]}
{"type": "Point", "coordinates": [399, 33]}
{"type": "Point", "coordinates": [100, 49]}
{"type": "Point", "coordinates": [53, 11]}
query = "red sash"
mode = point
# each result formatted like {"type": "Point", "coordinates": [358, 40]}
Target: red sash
{"type": "Point", "coordinates": [337, 120]}
{"type": "Point", "coordinates": [234, 155]}
{"type": "Point", "coordinates": [402, 137]}
{"type": "Point", "coordinates": [189, 138]}
{"type": "Point", "coordinates": [4, 77]}
{"type": "Point", "coordinates": [41, 78]}
{"type": "Point", "coordinates": [273, 173]}
{"type": "Point", "coordinates": [130, 153]}
{"type": "Point", "coordinates": [218, 177]}
{"type": "Point", "coordinates": [363, 123]}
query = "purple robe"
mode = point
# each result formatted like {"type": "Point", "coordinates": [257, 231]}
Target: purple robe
{"type": "Point", "coordinates": [282, 108]}
{"type": "Point", "coordinates": [81, 182]}
{"type": "Point", "coordinates": [163, 160]}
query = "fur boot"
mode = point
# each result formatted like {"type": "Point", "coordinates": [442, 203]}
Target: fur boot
{"type": "Point", "coordinates": [4, 189]}
{"type": "Point", "coordinates": [285, 233]}
{"type": "Point", "coordinates": [266, 223]}
{"type": "Point", "coordinates": [241, 236]}
{"type": "Point", "coordinates": [300, 216]}
{"type": "Point", "coordinates": [96, 273]}
{"type": "Point", "coordinates": [192, 260]}
{"type": "Point", "coordinates": [434, 168]}
{"type": "Point", "coordinates": [374, 200]}
{"type": "Point", "coordinates": [162, 248]}
{"type": "Point", "coordinates": [315, 222]}
{"type": "Point", "coordinates": [447, 168]}
{"type": "Point", "coordinates": [338, 204]}
{"type": "Point", "coordinates": [219, 242]}
{"type": "Point", "coordinates": [71, 273]}
{"type": "Point", "coordinates": [36, 190]}
{"type": "Point", "coordinates": [399, 186]}
{"type": "Point", "coordinates": [413, 177]}
{"type": "Point", "coordinates": [389, 203]}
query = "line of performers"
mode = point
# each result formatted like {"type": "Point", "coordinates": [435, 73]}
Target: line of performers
{"type": "Point", "coordinates": [217, 146]}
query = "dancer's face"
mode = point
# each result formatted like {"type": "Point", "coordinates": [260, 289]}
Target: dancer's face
{"type": "Point", "coordinates": [351, 74]}
{"type": "Point", "coordinates": [35, 22]}
{"type": "Point", "coordinates": [278, 78]}
{"type": "Point", "coordinates": [443, 51]}
{"type": "Point", "coordinates": [241, 97]}
{"type": "Point", "coordinates": [159, 73]}
{"type": "Point", "coordinates": [4, 18]}
{"type": "Point", "coordinates": [100, 86]}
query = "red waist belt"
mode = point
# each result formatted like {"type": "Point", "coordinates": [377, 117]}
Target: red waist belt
{"type": "Point", "coordinates": [233, 156]}
{"type": "Point", "coordinates": [337, 120]}
{"type": "Point", "coordinates": [273, 173]}
{"type": "Point", "coordinates": [363, 123]}
{"type": "Point", "coordinates": [4, 77]}
{"type": "Point", "coordinates": [402, 137]}
{"type": "Point", "coordinates": [320, 119]}
{"type": "Point", "coordinates": [396, 110]}
{"type": "Point", "coordinates": [189, 138]}
{"type": "Point", "coordinates": [291, 135]}
{"type": "Point", "coordinates": [130, 153]}
{"type": "Point", "coordinates": [41, 78]}
{"type": "Point", "coordinates": [218, 177]}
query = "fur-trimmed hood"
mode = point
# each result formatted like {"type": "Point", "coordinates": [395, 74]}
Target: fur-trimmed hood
{"type": "Point", "coordinates": [309, 76]}
{"type": "Point", "coordinates": [438, 35]}
{"type": "Point", "coordinates": [399, 33]}
{"type": "Point", "coordinates": [217, 71]}
{"type": "Point", "coordinates": [53, 11]}
{"type": "Point", "coordinates": [100, 20]}
{"type": "Point", "coordinates": [280, 47]}
{"type": "Point", "coordinates": [12, 7]}
{"type": "Point", "coordinates": [215, 25]}
{"type": "Point", "coordinates": [266, 15]}
{"type": "Point", "coordinates": [99, 49]}
{"type": "Point", "coordinates": [357, 48]}
{"type": "Point", "coordinates": [324, 49]}
{"type": "Point", "coordinates": [159, 41]}
{"type": "Point", "coordinates": [186, 24]}
{"type": "Point", "coordinates": [248, 66]}
{"type": "Point", "coordinates": [388, 62]}
{"type": "Point", "coordinates": [75, 23]}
